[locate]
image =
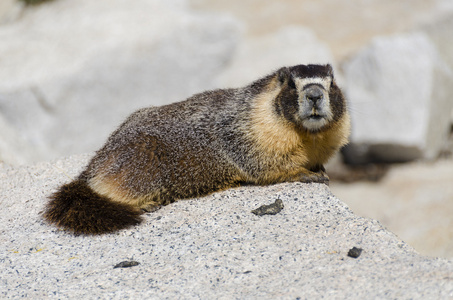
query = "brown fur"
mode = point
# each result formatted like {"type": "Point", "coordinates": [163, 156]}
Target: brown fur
{"type": "Point", "coordinates": [274, 130]}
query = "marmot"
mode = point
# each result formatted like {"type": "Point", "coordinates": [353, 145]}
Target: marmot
{"type": "Point", "coordinates": [280, 128]}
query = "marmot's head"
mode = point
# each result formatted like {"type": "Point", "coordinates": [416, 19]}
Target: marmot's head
{"type": "Point", "coordinates": [309, 96]}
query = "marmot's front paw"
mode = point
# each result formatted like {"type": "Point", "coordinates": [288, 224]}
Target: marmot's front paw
{"type": "Point", "coordinates": [318, 177]}
{"type": "Point", "coordinates": [150, 208]}
{"type": "Point", "coordinates": [323, 178]}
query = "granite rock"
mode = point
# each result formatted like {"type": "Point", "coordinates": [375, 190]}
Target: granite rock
{"type": "Point", "coordinates": [212, 247]}
{"type": "Point", "coordinates": [400, 94]}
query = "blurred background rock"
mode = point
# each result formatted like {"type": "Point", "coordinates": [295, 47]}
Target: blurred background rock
{"type": "Point", "coordinates": [72, 70]}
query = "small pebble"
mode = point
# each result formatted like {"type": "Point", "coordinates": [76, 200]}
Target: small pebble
{"type": "Point", "coordinates": [355, 252]}
{"type": "Point", "coordinates": [271, 209]}
{"type": "Point", "coordinates": [127, 264]}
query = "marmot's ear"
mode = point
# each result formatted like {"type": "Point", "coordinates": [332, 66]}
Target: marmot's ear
{"type": "Point", "coordinates": [285, 77]}
{"type": "Point", "coordinates": [329, 70]}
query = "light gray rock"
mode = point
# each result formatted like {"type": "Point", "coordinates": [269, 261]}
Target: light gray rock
{"type": "Point", "coordinates": [413, 200]}
{"type": "Point", "coordinates": [400, 100]}
{"type": "Point", "coordinates": [10, 141]}
{"type": "Point", "coordinates": [212, 247]}
{"type": "Point", "coordinates": [441, 33]}
{"type": "Point", "coordinates": [77, 68]}
{"type": "Point", "coordinates": [260, 55]}
{"type": "Point", "coordinates": [10, 10]}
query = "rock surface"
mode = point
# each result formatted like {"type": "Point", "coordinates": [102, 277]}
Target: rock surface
{"type": "Point", "coordinates": [212, 247]}
{"type": "Point", "coordinates": [400, 100]}
{"type": "Point", "coordinates": [10, 10]}
{"type": "Point", "coordinates": [413, 200]}
{"type": "Point", "coordinates": [76, 68]}
{"type": "Point", "coordinates": [439, 31]}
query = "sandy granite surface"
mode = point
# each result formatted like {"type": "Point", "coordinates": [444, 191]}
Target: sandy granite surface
{"type": "Point", "coordinates": [212, 247]}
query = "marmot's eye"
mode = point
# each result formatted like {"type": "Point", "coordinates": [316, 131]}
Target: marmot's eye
{"type": "Point", "coordinates": [291, 83]}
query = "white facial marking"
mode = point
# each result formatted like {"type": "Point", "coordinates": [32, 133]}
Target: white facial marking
{"type": "Point", "coordinates": [324, 81]}
{"type": "Point", "coordinates": [314, 116]}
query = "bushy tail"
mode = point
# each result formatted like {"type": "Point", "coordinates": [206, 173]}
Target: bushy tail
{"type": "Point", "coordinates": [77, 208]}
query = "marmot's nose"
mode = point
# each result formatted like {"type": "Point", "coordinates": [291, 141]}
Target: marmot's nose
{"type": "Point", "coordinates": [314, 94]}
